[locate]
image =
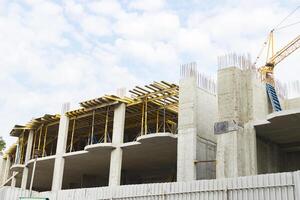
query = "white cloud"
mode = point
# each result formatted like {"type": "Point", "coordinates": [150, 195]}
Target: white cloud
{"type": "Point", "coordinates": [158, 53]}
{"type": "Point", "coordinates": [148, 26]}
{"type": "Point", "coordinates": [95, 25]}
{"type": "Point", "coordinates": [147, 5]}
{"type": "Point", "coordinates": [52, 52]}
{"type": "Point", "coordinates": [110, 8]}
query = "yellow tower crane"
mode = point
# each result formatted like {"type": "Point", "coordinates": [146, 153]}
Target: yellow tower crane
{"type": "Point", "coordinates": [267, 70]}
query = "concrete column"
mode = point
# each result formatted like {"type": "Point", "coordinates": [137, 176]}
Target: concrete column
{"type": "Point", "coordinates": [61, 149]}
{"type": "Point", "coordinates": [187, 129]}
{"type": "Point", "coordinates": [6, 170]}
{"type": "Point", "coordinates": [241, 100]}
{"type": "Point", "coordinates": [27, 158]}
{"type": "Point", "coordinates": [117, 140]}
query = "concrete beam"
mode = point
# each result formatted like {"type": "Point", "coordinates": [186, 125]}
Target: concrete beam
{"type": "Point", "coordinates": [117, 140]}
{"type": "Point", "coordinates": [59, 164]}
{"type": "Point", "coordinates": [27, 158]}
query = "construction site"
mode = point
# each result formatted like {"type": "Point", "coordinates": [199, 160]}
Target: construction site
{"type": "Point", "coordinates": [218, 139]}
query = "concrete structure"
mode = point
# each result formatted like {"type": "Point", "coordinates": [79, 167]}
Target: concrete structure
{"type": "Point", "coordinates": [163, 133]}
{"type": "Point", "coordinates": [196, 117]}
{"type": "Point", "coordinates": [27, 157]}
{"type": "Point", "coordinates": [117, 140]}
{"type": "Point", "coordinates": [59, 163]}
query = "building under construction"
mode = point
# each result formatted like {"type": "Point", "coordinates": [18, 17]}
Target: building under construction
{"type": "Point", "coordinates": [162, 132]}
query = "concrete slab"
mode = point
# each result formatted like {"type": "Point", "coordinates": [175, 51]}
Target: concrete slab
{"type": "Point", "coordinates": [129, 144]}
{"type": "Point", "coordinates": [155, 137]}
{"type": "Point", "coordinates": [282, 127]}
{"type": "Point", "coordinates": [154, 155]}
{"type": "Point", "coordinates": [43, 174]}
{"type": "Point", "coordinates": [99, 147]}
{"type": "Point", "coordinates": [87, 169]}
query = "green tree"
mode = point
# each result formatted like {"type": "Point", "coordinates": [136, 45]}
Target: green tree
{"type": "Point", "coordinates": [2, 144]}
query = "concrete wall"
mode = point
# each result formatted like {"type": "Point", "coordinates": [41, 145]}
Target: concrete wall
{"type": "Point", "coordinates": [242, 96]}
{"type": "Point", "coordinates": [267, 187]}
{"type": "Point", "coordinates": [272, 159]}
{"type": "Point", "coordinates": [206, 151]}
{"type": "Point", "coordinates": [290, 161]}
{"type": "Point", "coordinates": [242, 99]}
{"type": "Point", "coordinates": [196, 117]}
{"type": "Point", "coordinates": [268, 157]}
{"type": "Point", "coordinates": [207, 114]}
{"type": "Point", "coordinates": [187, 130]}
{"type": "Point", "coordinates": [291, 103]}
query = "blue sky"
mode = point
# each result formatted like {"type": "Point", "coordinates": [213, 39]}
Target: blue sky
{"type": "Point", "coordinates": [57, 51]}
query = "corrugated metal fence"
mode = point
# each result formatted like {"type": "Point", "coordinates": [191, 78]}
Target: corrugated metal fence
{"type": "Point", "coordinates": [281, 186]}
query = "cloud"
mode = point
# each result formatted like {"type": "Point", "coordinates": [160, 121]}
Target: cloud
{"type": "Point", "coordinates": [147, 5]}
{"type": "Point", "coordinates": [148, 26]}
{"type": "Point", "coordinates": [52, 51]}
{"type": "Point", "coordinates": [109, 8]}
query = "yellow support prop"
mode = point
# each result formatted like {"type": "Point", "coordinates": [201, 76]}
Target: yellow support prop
{"type": "Point", "coordinates": [45, 138]}
{"type": "Point", "coordinates": [34, 141]}
{"type": "Point", "coordinates": [106, 126]}
{"type": "Point", "coordinates": [72, 137]}
{"type": "Point", "coordinates": [157, 121]}
{"type": "Point", "coordinates": [142, 123]}
{"type": "Point", "coordinates": [146, 116]}
{"type": "Point", "coordinates": [40, 137]}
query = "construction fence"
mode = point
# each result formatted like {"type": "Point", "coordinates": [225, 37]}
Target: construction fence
{"type": "Point", "coordinates": [281, 186]}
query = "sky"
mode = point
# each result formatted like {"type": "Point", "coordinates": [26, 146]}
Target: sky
{"type": "Point", "coordinates": [53, 52]}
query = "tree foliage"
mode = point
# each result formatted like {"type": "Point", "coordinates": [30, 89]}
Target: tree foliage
{"type": "Point", "coordinates": [2, 144]}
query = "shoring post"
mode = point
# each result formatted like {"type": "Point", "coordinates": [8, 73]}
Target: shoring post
{"type": "Point", "coordinates": [146, 115]}
{"type": "Point", "coordinates": [72, 137]}
{"type": "Point", "coordinates": [142, 122]}
{"type": "Point", "coordinates": [33, 147]}
{"type": "Point", "coordinates": [93, 123]}
{"type": "Point", "coordinates": [45, 139]}
{"type": "Point", "coordinates": [40, 137]}
{"type": "Point", "coordinates": [106, 126]}
{"type": "Point", "coordinates": [157, 120]}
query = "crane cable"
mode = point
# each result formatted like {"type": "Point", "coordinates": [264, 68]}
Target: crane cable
{"type": "Point", "coordinates": [276, 28]}
{"type": "Point", "coordinates": [278, 25]}
{"type": "Point", "coordinates": [286, 26]}
{"type": "Point", "coordinates": [261, 51]}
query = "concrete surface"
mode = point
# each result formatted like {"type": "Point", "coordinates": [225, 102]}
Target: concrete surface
{"type": "Point", "coordinates": [117, 140]}
{"type": "Point", "coordinates": [281, 128]}
{"type": "Point", "coordinates": [61, 148]}
{"type": "Point", "coordinates": [242, 99]}
{"type": "Point", "coordinates": [27, 157]}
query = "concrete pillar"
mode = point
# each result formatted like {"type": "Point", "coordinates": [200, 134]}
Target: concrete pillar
{"type": "Point", "coordinates": [27, 158]}
{"type": "Point", "coordinates": [6, 170]}
{"type": "Point", "coordinates": [241, 100]}
{"type": "Point", "coordinates": [187, 129]}
{"type": "Point", "coordinates": [117, 140]}
{"type": "Point", "coordinates": [61, 149]}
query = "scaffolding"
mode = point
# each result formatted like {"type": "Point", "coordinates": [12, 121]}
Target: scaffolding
{"type": "Point", "coordinates": [150, 109]}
